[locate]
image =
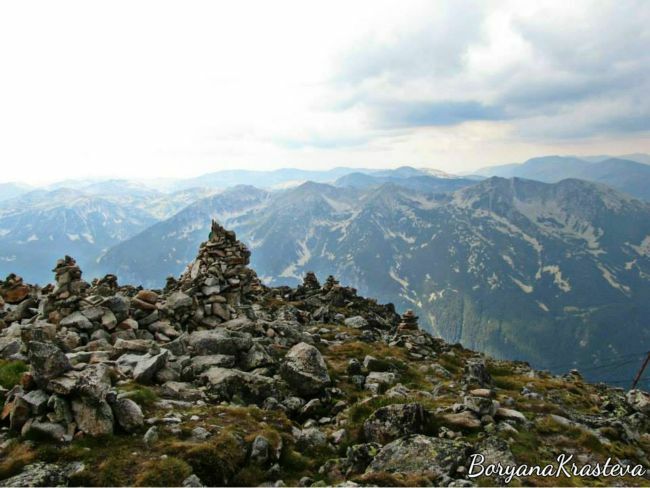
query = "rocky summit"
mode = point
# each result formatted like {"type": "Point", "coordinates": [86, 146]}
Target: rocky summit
{"type": "Point", "coordinates": [219, 380]}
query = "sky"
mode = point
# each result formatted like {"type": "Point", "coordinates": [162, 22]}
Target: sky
{"type": "Point", "coordinates": [152, 89]}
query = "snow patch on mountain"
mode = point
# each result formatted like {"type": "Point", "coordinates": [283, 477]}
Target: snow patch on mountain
{"type": "Point", "coordinates": [524, 287]}
{"type": "Point", "coordinates": [611, 279]}
{"type": "Point", "coordinates": [561, 283]}
{"type": "Point", "coordinates": [643, 249]}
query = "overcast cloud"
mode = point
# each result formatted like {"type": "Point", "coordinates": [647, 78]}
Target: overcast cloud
{"type": "Point", "coordinates": [137, 89]}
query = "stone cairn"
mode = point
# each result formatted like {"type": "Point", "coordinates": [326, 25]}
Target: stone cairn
{"type": "Point", "coordinates": [69, 288]}
{"type": "Point", "coordinates": [13, 290]}
{"type": "Point", "coordinates": [310, 281]}
{"type": "Point", "coordinates": [409, 322]}
{"type": "Point", "coordinates": [105, 286]}
{"type": "Point", "coordinates": [330, 283]}
{"type": "Point", "coordinates": [219, 280]}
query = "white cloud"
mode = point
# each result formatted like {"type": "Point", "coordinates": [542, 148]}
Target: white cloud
{"type": "Point", "coordinates": [156, 88]}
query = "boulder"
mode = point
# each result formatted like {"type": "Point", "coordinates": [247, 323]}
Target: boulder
{"type": "Point", "coordinates": [37, 430]}
{"type": "Point", "coordinates": [256, 357]}
{"type": "Point", "coordinates": [311, 438]}
{"type": "Point", "coordinates": [181, 391]}
{"type": "Point", "coordinates": [77, 320]}
{"type": "Point", "coordinates": [419, 454]}
{"type": "Point", "coordinates": [356, 322]}
{"type": "Point", "coordinates": [93, 417]}
{"type": "Point", "coordinates": [379, 382]}
{"type": "Point", "coordinates": [480, 405]}
{"type": "Point", "coordinates": [147, 367]}
{"type": "Point", "coordinates": [177, 301]}
{"type": "Point", "coordinates": [44, 474]}
{"type": "Point", "coordinates": [229, 384]}
{"type": "Point", "coordinates": [393, 421]}
{"type": "Point", "coordinates": [219, 341]}
{"type": "Point", "coordinates": [37, 401]}
{"type": "Point", "coordinates": [639, 401]}
{"type": "Point", "coordinates": [509, 414]}
{"type": "Point", "coordinates": [463, 420]}
{"type": "Point", "coordinates": [128, 414]}
{"type": "Point", "coordinates": [304, 369]}
{"type": "Point", "coordinates": [260, 451]}
{"type": "Point", "coordinates": [476, 372]}
{"type": "Point", "coordinates": [47, 362]}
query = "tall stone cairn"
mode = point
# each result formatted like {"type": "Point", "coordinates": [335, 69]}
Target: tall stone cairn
{"type": "Point", "coordinates": [219, 280]}
{"type": "Point", "coordinates": [310, 282]}
{"type": "Point", "coordinates": [69, 288]}
{"type": "Point", "coordinates": [409, 322]}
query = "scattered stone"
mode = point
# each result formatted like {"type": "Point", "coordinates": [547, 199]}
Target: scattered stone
{"type": "Point", "coordinates": [393, 421]}
{"type": "Point", "coordinates": [128, 414]}
{"type": "Point", "coordinates": [509, 414]}
{"type": "Point", "coordinates": [304, 369]}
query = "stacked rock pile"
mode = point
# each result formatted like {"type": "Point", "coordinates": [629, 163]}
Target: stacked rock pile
{"type": "Point", "coordinates": [219, 282]}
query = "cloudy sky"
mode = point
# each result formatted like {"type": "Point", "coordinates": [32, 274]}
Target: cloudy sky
{"type": "Point", "coordinates": [158, 89]}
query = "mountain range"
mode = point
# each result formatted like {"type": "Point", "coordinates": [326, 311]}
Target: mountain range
{"type": "Point", "coordinates": [513, 267]}
{"type": "Point", "coordinates": [553, 273]}
{"type": "Point", "coordinates": [629, 176]}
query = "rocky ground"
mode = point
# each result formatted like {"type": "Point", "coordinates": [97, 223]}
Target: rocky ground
{"type": "Point", "coordinates": [219, 380]}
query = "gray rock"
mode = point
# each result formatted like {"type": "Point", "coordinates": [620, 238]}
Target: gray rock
{"type": "Point", "coordinates": [199, 364]}
{"type": "Point", "coordinates": [119, 305]}
{"type": "Point", "coordinates": [304, 369]}
{"type": "Point", "coordinates": [77, 320]}
{"type": "Point", "coordinates": [178, 300]}
{"type": "Point", "coordinates": [229, 384]}
{"type": "Point", "coordinates": [388, 423]}
{"type": "Point", "coordinates": [219, 341]}
{"type": "Point", "coordinates": [480, 405]}
{"type": "Point", "coordinates": [44, 474]}
{"type": "Point", "coordinates": [47, 362]}
{"type": "Point", "coordinates": [147, 367]}
{"type": "Point", "coordinates": [151, 436]}
{"type": "Point", "coordinates": [639, 401]}
{"type": "Point", "coordinates": [379, 382]}
{"type": "Point", "coordinates": [421, 454]}
{"type": "Point", "coordinates": [192, 481]}
{"type": "Point", "coordinates": [37, 430]}
{"type": "Point", "coordinates": [462, 420]}
{"type": "Point", "coordinates": [260, 451]}
{"type": "Point", "coordinates": [311, 438]}
{"type": "Point", "coordinates": [181, 391]}
{"type": "Point", "coordinates": [37, 401]}
{"type": "Point", "coordinates": [256, 357]}
{"type": "Point", "coordinates": [93, 417]}
{"type": "Point", "coordinates": [128, 414]}
{"type": "Point", "coordinates": [357, 322]}
{"type": "Point", "coordinates": [509, 414]}
{"type": "Point", "coordinates": [359, 456]}
{"type": "Point", "coordinates": [476, 372]}
{"type": "Point", "coordinates": [109, 321]}
{"type": "Point", "coordinates": [200, 434]}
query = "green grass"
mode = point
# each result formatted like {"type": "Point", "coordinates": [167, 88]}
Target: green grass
{"type": "Point", "coordinates": [142, 395]}
{"type": "Point", "coordinates": [170, 471]}
{"type": "Point", "coordinates": [11, 372]}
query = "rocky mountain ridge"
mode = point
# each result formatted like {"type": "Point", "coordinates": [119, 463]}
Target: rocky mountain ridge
{"type": "Point", "coordinates": [219, 380]}
{"type": "Point", "coordinates": [515, 268]}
